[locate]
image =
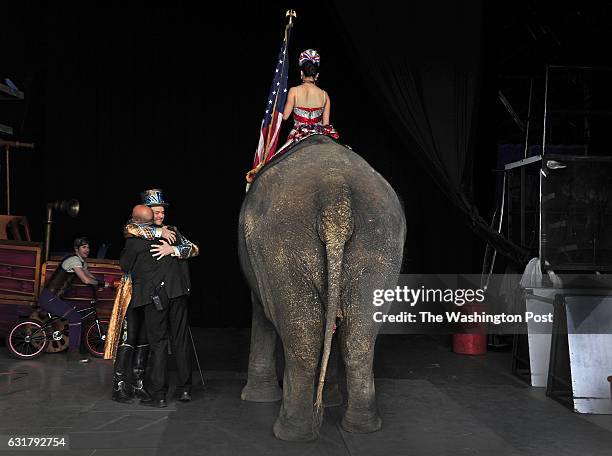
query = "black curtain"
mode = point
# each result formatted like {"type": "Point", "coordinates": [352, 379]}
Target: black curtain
{"type": "Point", "coordinates": [123, 98]}
{"type": "Point", "coordinates": [424, 61]}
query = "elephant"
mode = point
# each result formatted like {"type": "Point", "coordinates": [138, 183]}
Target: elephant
{"type": "Point", "coordinates": [319, 230]}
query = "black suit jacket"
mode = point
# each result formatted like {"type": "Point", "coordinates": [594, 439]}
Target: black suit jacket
{"type": "Point", "coordinates": [177, 280]}
{"type": "Point", "coordinates": [149, 275]}
{"type": "Point", "coordinates": [180, 283]}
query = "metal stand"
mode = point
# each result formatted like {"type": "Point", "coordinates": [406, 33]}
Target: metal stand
{"type": "Point", "coordinates": [195, 352]}
{"type": "Point", "coordinates": [580, 357]}
{"type": "Point", "coordinates": [501, 205]}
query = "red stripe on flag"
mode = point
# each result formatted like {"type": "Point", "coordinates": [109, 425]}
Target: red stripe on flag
{"type": "Point", "coordinates": [275, 128]}
{"type": "Point", "coordinates": [259, 154]}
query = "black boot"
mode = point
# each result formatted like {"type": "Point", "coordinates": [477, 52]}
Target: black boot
{"type": "Point", "coordinates": [159, 401]}
{"type": "Point", "coordinates": [122, 389]}
{"type": "Point", "coordinates": [141, 355]}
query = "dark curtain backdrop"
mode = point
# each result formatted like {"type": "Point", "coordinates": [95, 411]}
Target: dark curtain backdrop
{"type": "Point", "coordinates": [126, 97]}
{"type": "Point", "coordinates": [425, 60]}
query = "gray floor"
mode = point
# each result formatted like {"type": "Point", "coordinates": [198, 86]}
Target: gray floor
{"type": "Point", "coordinates": [432, 402]}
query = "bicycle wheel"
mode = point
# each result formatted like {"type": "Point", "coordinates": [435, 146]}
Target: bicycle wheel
{"type": "Point", "coordinates": [95, 339]}
{"type": "Point", "coordinates": [27, 339]}
{"type": "Point", "coordinates": [57, 331]}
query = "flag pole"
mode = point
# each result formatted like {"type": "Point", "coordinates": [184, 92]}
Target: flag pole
{"type": "Point", "coordinates": [251, 174]}
{"type": "Point", "coordinates": [291, 14]}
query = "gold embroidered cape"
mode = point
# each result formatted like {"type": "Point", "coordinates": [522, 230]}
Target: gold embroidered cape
{"type": "Point", "coordinates": [115, 326]}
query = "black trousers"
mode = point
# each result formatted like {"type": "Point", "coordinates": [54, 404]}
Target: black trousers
{"type": "Point", "coordinates": [162, 325]}
{"type": "Point", "coordinates": [136, 330]}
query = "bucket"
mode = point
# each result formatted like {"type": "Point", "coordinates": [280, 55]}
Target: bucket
{"type": "Point", "coordinates": [474, 340]}
{"type": "Point", "coordinates": [470, 344]}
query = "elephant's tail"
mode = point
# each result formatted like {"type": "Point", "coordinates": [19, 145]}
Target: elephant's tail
{"type": "Point", "coordinates": [335, 227]}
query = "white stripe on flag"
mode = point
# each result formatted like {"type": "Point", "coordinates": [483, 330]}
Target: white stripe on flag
{"type": "Point", "coordinates": [260, 147]}
{"type": "Point", "coordinates": [277, 124]}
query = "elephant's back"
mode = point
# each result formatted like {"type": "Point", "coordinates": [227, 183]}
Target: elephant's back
{"type": "Point", "coordinates": [318, 165]}
{"type": "Point", "coordinates": [286, 201]}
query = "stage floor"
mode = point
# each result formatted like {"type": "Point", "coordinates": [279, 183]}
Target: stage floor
{"type": "Point", "coordinates": [432, 402]}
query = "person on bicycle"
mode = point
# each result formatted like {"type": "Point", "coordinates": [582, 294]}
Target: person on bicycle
{"type": "Point", "coordinates": [51, 297]}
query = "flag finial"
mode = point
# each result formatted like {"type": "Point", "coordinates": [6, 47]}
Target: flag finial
{"type": "Point", "coordinates": [290, 14]}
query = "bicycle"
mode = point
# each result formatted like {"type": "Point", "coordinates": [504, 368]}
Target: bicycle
{"type": "Point", "coordinates": [30, 337]}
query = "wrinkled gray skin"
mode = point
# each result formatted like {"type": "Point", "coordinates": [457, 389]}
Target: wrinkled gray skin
{"type": "Point", "coordinates": [319, 230]}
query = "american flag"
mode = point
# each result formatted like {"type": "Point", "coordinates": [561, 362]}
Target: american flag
{"type": "Point", "coordinates": [270, 126]}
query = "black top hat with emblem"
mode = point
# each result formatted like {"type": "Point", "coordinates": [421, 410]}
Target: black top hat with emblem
{"type": "Point", "coordinates": [154, 197]}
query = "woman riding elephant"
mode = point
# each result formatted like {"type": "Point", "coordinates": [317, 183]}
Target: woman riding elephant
{"type": "Point", "coordinates": [309, 104]}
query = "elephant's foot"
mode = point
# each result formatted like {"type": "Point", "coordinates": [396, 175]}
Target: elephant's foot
{"type": "Point", "coordinates": [361, 422]}
{"type": "Point", "coordinates": [332, 397]}
{"type": "Point", "coordinates": [293, 432]}
{"type": "Point", "coordinates": [261, 391]}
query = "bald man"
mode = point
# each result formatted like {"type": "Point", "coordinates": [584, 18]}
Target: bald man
{"type": "Point", "coordinates": [123, 379]}
{"type": "Point", "coordinates": [142, 214]}
{"type": "Point", "coordinates": [148, 275]}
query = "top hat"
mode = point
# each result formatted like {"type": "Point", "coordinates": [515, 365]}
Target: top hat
{"type": "Point", "coordinates": [154, 197]}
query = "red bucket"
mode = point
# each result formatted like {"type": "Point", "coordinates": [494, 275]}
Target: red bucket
{"type": "Point", "coordinates": [474, 340]}
{"type": "Point", "coordinates": [470, 344]}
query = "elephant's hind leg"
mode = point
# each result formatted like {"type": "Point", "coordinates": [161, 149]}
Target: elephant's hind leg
{"type": "Point", "coordinates": [295, 419]}
{"type": "Point", "coordinates": [262, 382]}
{"type": "Point", "coordinates": [301, 329]}
{"type": "Point", "coordinates": [357, 338]}
{"type": "Point", "coordinates": [361, 414]}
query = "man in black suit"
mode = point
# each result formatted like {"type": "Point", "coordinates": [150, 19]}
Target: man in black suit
{"type": "Point", "coordinates": [177, 284]}
{"type": "Point", "coordinates": [157, 283]}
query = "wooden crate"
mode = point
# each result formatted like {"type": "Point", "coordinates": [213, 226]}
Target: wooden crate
{"type": "Point", "coordinates": [20, 270]}
{"type": "Point", "coordinates": [80, 293]}
{"type": "Point", "coordinates": [22, 277]}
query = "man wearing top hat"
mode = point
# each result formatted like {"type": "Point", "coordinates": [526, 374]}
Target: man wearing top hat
{"type": "Point", "coordinates": [173, 319]}
{"type": "Point", "coordinates": [146, 276]}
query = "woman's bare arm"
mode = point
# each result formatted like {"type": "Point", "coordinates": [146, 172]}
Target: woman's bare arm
{"type": "Point", "coordinates": [326, 110]}
{"type": "Point", "coordinates": [290, 103]}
